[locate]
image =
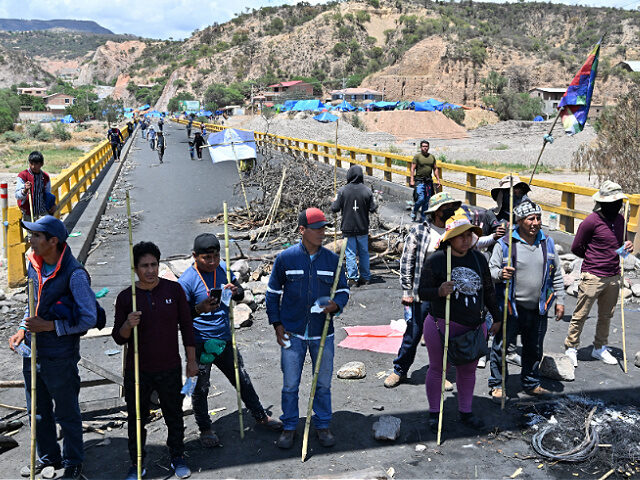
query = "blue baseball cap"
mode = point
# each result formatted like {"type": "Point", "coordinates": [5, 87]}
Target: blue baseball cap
{"type": "Point", "coordinates": [50, 225]}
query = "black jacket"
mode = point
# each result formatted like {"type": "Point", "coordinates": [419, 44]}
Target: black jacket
{"type": "Point", "coordinates": [356, 201]}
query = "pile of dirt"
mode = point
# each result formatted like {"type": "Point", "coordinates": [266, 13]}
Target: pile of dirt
{"type": "Point", "coordinates": [478, 117]}
{"type": "Point", "coordinates": [407, 124]}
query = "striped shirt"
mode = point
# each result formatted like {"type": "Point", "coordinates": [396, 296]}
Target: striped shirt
{"type": "Point", "coordinates": [420, 242]}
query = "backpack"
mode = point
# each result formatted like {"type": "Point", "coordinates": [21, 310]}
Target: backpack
{"type": "Point", "coordinates": [113, 136]}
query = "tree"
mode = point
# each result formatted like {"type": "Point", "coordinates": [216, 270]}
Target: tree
{"type": "Point", "coordinates": [493, 84]}
{"type": "Point", "coordinates": [218, 95]}
{"type": "Point", "coordinates": [515, 106]}
{"type": "Point", "coordinates": [615, 154]}
{"type": "Point", "coordinates": [9, 109]}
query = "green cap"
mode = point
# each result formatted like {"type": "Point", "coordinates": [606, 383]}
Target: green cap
{"type": "Point", "coordinates": [440, 199]}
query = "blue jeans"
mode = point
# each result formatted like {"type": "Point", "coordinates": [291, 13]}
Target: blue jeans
{"type": "Point", "coordinates": [358, 245]}
{"type": "Point", "coordinates": [411, 339]}
{"type": "Point", "coordinates": [424, 191]}
{"type": "Point", "coordinates": [532, 328]}
{"type": "Point", "coordinates": [58, 382]}
{"type": "Point", "coordinates": [144, 132]}
{"type": "Point", "coordinates": [292, 362]}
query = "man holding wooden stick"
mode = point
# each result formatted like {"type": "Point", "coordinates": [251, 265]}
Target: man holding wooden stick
{"type": "Point", "coordinates": [597, 239]}
{"type": "Point", "coordinates": [162, 310]}
{"type": "Point", "coordinates": [65, 308]}
{"type": "Point", "coordinates": [204, 283]}
{"type": "Point", "coordinates": [33, 189]}
{"type": "Point", "coordinates": [536, 282]}
{"type": "Point", "coordinates": [297, 304]}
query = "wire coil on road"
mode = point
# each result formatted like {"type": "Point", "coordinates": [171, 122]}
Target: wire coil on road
{"type": "Point", "coordinates": [586, 449]}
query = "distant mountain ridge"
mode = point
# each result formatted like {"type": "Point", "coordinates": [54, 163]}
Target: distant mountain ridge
{"type": "Point", "coordinates": [20, 25]}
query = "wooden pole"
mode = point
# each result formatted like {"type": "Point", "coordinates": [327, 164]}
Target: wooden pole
{"type": "Point", "coordinates": [33, 313]}
{"type": "Point", "coordinates": [136, 359]}
{"type": "Point", "coordinates": [624, 336]}
{"type": "Point", "coordinates": [323, 338]}
{"type": "Point", "coordinates": [544, 144]}
{"type": "Point", "coordinates": [33, 219]}
{"type": "Point", "coordinates": [505, 311]}
{"type": "Point", "coordinates": [335, 193]}
{"type": "Point", "coordinates": [244, 191]}
{"type": "Point", "coordinates": [231, 325]}
{"type": "Point", "coordinates": [447, 315]}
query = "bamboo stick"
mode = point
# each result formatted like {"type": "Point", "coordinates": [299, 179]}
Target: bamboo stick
{"type": "Point", "coordinates": [335, 192]}
{"type": "Point", "coordinates": [136, 359]}
{"type": "Point", "coordinates": [624, 335]}
{"type": "Point", "coordinates": [544, 144]}
{"type": "Point", "coordinates": [323, 338]}
{"type": "Point", "coordinates": [231, 325]}
{"type": "Point", "coordinates": [33, 219]}
{"type": "Point", "coordinates": [447, 315]}
{"type": "Point", "coordinates": [33, 313]}
{"type": "Point", "coordinates": [506, 299]}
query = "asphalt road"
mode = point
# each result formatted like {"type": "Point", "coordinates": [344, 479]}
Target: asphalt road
{"type": "Point", "coordinates": [172, 198]}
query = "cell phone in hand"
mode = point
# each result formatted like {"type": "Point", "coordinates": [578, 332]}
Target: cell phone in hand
{"type": "Point", "coordinates": [215, 294]}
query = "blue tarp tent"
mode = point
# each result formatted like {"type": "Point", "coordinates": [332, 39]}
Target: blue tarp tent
{"type": "Point", "coordinates": [289, 104]}
{"type": "Point", "coordinates": [382, 106]}
{"type": "Point", "coordinates": [424, 107]}
{"type": "Point", "coordinates": [538, 119]}
{"type": "Point", "coordinates": [127, 109]}
{"type": "Point", "coordinates": [345, 107]}
{"type": "Point", "coordinates": [325, 117]}
{"type": "Point", "coordinates": [450, 106]}
{"type": "Point", "coordinates": [307, 105]}
{"type": "Point", "coordinates": [144, 107]}
{"type": "Point", "coordinates": [67, 119]}
{"type": "Point", "coordinates": [128, 115]}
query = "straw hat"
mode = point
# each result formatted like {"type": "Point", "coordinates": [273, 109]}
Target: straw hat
{"type": "Point", "coordinates": [440, 199]}
{"type": "Point", "coordinates": [505, 183]}
{"type": "Point", "coordinates": [456, 226]}
{"type": "Point", "coordinates": [609, 192]}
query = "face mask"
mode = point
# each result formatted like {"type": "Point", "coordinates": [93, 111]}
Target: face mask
{"type": "Point", "coordinates": [610, 210]}
{"type": "Point", "coordinates": [448, 213]}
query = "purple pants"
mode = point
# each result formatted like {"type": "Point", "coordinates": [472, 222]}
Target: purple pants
{"type": "Point", "coordinates": [465, 374]}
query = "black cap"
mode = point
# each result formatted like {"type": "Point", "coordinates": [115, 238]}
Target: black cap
{"type": "Point", "coordinates": [206, 243]}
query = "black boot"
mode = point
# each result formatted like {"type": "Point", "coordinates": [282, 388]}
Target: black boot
{"type": "Point", "coordinates": [470, 420]}
{"type": "Point", "coordinates": [433, 421]}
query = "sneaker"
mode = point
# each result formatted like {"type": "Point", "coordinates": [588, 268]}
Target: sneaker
{"type": "Point", "coordinates": [538, 392]}
{"type": "Point", "coordinates": [132, 474]}
{"type": "Point", "coordinates": [270, 423]}
{"type": "Point", "coordinates": [394, 380]}
{"type": "Point", "coordinates": [572, 353]}
{"type": "Point", "coordinates": [603, 354]}
{"type": "Point", "coordinates": [514, 359]}
{"type": "Point", "coordinates": [496, 395]}
{"type": "Point", "coordinates": [433, 421]}
{"type": "Point", "coordinates": [72, 473]}
{"type": "Point", "coordinates": [482, 362]}
{"type": "Point", "coordinates": [413, 216]}
{"type": "Point", "coordinates": [286, 439]}
{"type": "Point", "coordinates": [180, 467]}
{"type": "Point", "coordinates": [325, 437]}
{"type": "Point", "coordinates": [448, 386]}
{"type": "Point", "coordinates": [362, 281]}
{"type": "Point", "coordinates": [48, 470]}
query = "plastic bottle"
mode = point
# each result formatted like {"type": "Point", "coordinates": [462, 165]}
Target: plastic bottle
{"type": "Point", "coordinates": [286, 341]}
{"type": "Point", "coordinates": [23, 350]}
{"type": "Point", "coordinates": [553, 221]}
{"type": "Point", "coordinates": [408, 313]}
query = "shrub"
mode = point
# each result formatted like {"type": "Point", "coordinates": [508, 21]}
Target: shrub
{"type": "Point", "coordinates": [43, 136]}
{"type": "Point", "coordinates": [362, 16]}
{"type": "Point", "coordinates": [11, 136]}
{"type": "Point", "coordinates": [60, 132]}
{"type": "Point", "coordinates": [455, 114]}
{"type": "Point", "coordinates": [34, 129]}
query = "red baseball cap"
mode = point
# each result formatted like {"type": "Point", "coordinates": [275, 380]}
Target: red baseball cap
{"type": "Point", "coordinates": [312, 218]}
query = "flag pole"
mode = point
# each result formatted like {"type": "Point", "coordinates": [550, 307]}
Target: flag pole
{"type": "Point", "coordinates": [34, 368]}
{"type": "Point", "coordinates": [335, 191]}
{"type": "Point", "coordinates": [546, 139]}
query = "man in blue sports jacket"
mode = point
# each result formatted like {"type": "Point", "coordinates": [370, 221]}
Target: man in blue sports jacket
{"type": "Point", "coordinates": [302, 274]}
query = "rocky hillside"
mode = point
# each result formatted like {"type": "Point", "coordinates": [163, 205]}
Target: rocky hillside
{"type": "Point", "coordinates": [15, 68]}
{"type": "Point", "coordinates": [19, 25]}
{"type": "Point", "coordinates": [410, 50]}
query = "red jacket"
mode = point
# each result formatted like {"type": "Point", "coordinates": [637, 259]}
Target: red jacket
{"type": "Point", "coordinates": [27, 176]}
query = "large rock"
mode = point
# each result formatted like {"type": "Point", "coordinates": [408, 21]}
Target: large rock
{"type": "Point", "coordinates": [241, 270]}
{"type": "Point", "coordinates": [635, 289]}
{"type": "Point", "coordinates": [352, 370]}
{"type": "Point", "coordinates": [2, 294]}
{"type": "Point", "coordinates": [557, 366]}
{"type": "Point", "coordinates": [637, 360]}
{"type": "Point", "coordinates": [627, 293]}
{"type": "Point", "coordinates": [630, 262]}
{"type": "Point", "coordinates": [178, 267]}
{"type": "Point", "coordinates": [568, 257]}
{"type": "Point", "coordinates": [242, 316]}
{"type": "Point", "coordinates": [259, 298]}
{"type": "Point", "coordinates": [20, 297]}
{"type": "Point", "coordinates": [567, 267]}
{"type": "Point", "coordinates": [257, 288]}
{"type": "Point", "coordinates": [386, 428]}
{"type": "Point", "coordinates": [248, 298]}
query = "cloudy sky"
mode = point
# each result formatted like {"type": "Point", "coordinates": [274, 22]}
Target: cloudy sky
{"type": "Point", "coordinates": [169, 18]}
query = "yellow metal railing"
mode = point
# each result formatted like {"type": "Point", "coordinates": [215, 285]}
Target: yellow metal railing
{"type": "Point", "coordinates": [68, 187]}
{"type": "Point", "coordinates": [391, 164]}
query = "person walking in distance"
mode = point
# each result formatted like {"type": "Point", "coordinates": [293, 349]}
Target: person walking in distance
{"type": "Point", "coordinates": [355, 202]}
{"type": "Point", "coordinates": [115, 139]}
{"type": "Point", "coordinates": [161, 143]}
{"type": "Point", "coordinates": [198, 143]}
{"type": "Point", "coordinates": [152, 137]}
{"type": "Point", "coordinates": [598, 237]}
{"type": "Point", "coordinates": [422, 167]}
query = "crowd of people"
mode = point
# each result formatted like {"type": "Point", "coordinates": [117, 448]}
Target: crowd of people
{"type": "Point", "coordinates": [448, 240]}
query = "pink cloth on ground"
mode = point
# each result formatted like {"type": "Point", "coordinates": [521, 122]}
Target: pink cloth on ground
{"type": "Point", "coordinates": [374, 338]}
